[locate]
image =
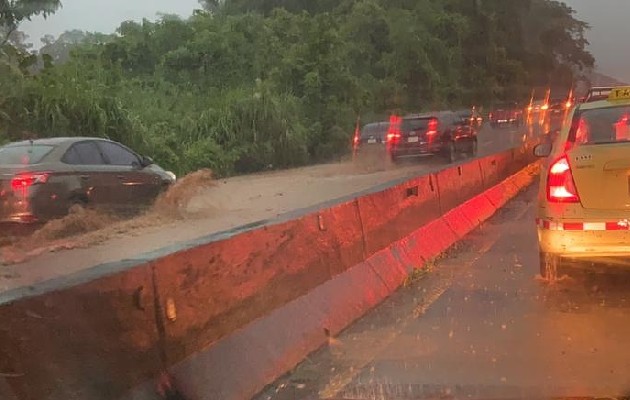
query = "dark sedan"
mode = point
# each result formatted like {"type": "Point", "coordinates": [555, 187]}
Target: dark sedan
{"type": "Point", "coordinates": [42, 179]}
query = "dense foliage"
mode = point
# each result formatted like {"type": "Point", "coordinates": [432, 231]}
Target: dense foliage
{"type": "Point", "coordinates": [245, 85]}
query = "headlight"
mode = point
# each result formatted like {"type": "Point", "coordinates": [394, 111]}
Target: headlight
{"type": "Point", "coordinates": [171, 175]}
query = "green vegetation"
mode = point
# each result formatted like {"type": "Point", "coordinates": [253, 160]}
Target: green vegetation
{"type": "Point", "coordinates": [245, 85]}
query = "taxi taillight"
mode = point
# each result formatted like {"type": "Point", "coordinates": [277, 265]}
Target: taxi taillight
{"type": "Point", "coordinates": [560, 184]}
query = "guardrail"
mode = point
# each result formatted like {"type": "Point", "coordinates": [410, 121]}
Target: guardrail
{"type": "Point", "coordinates": [233, 311]}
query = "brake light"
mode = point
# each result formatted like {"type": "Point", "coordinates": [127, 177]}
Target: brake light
{"type": "Point", "coordinates": [392, 136]}
{"type": "Point", "coordinates": [393, 133]}
{"type": "Point", "coordinates": [560, 184]}
{"type": "Point", "coordinates": [545, 107]}
{"type": "Point", "coordinates": [22, 182]}
{"type": "Point", "coordinates": [433, 127]}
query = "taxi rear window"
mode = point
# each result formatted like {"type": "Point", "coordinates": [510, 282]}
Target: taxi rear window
{"type": "Point", "coordinates": [23, 155]}
{"type": "Point", "coordinates": [601, 126]}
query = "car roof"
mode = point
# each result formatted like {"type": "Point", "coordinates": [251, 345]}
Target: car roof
{"type": "Point", "coordinates": [593, 105]}
{"type": "Point", "coordinates": [430, 114]}
{"type": "Point", "coordinates": [53, 141]}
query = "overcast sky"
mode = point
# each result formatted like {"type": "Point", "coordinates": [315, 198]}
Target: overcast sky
{"type": "Point", "coordinates": [608, 18]}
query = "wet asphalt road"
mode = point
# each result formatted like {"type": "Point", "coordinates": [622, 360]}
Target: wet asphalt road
{"type": "Point", "coordinates": [482, 325]}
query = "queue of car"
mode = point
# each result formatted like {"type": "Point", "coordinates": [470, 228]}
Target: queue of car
{"type": "Point", "coordinates": [439, 133]}
{"type": "Point", "coordinates": [42, 179]}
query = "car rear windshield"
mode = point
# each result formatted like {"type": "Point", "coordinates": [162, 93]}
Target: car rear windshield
{"type": "Point", "coordinates": [415, 124]}
{"type": "Point", "coordinates": [602, 125]}
{"type": "Point", "coordinates": [24, 155]}
{"type": "Point", "coordinates": [464, 114]}
{"type": "Point", "coordinates": [376, 130]}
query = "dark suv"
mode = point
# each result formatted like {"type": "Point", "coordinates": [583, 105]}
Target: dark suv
{"type": "Point", "coordinates": [436, 133]}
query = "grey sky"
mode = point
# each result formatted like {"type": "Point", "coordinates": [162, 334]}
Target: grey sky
{"type": "Point", "coordinates": [608, 19]}
{"type": "Point", "coordinates": [609, 34]}
{"type": "Point", "coordinates": [102, 16]}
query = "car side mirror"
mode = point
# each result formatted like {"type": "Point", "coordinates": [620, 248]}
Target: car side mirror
{"type": "Point", "coordinates": [542, 150]}
{"type": "Point", "coordinates": [146, 161]}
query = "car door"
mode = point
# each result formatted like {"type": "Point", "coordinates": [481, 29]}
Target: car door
{"type": "Point", "coordinates": [139, 185]}
{"type": "Point", "coordinates": [94, 181]}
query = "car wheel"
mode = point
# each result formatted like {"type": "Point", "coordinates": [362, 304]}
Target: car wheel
{"type": "Point", "coordinates": [549, 264]}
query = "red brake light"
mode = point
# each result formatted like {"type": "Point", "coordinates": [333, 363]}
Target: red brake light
{"type": "Point", "coordinates": [560, 185]}
{"type": "Point", "coordinates": [433, 126]}
{"type": "Point", "coordinates": [24, 181]}
{"type": "Point", "coordinates": [393, 133]}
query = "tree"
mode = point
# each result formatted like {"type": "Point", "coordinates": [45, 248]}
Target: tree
{"type": "Point", "coordinates": [59, 49]}
{"type": "Point", "coordinates": [14, 12]}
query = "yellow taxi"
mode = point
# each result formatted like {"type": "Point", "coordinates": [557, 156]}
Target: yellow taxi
{"type": "Point", "coordinates": [584, 198]}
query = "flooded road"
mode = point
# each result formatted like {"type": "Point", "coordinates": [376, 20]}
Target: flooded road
{"type": "Point", "coordinates": [481, 324]}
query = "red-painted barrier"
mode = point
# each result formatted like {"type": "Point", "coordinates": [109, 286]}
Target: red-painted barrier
{"type": "Point", "coordinates": [496, 167]}
{"type": "Point", "coordinates": [459, 222]}
{"type": "Point", "coordinates": [93, 341]}
{"type": "Point", "coordinates": [458, 184]}
{"type": "Point", "coordinates": [394, 213]}
{"type": "Point", "coordinates": [273, 345]}
{"type": "Point", "coordinates": [220, 287]}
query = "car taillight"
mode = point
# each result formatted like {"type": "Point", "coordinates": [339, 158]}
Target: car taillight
{"type": "Point", "coordinates": [393, 132]}
{"type": "Point", "coordinates": [545, 107]}
{"type": "Point", "coordinates": [393, 136]}
{"type": "Point", "coordinates": [560, 184]}
{"type": "Point", "coordinates": [568, 104]}
{"type": "Point", "coordinates": [433, 127]}
{"type": "Point", "coordinates": [24, 181]}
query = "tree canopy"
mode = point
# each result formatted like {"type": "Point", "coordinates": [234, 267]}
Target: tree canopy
{"type": "Point", "coordinates": [243, 85]}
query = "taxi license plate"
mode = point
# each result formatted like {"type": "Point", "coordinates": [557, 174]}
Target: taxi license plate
{"type": "Point", "coordinates": [371, 140]}
{"type": "Point", "coordinates": [413, 139]}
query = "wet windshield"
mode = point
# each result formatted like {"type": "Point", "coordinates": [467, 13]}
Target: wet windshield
{"type": "Point", "coordinates": [599, 126]}
{"type": "Point", "coordinates": [314, 199]}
